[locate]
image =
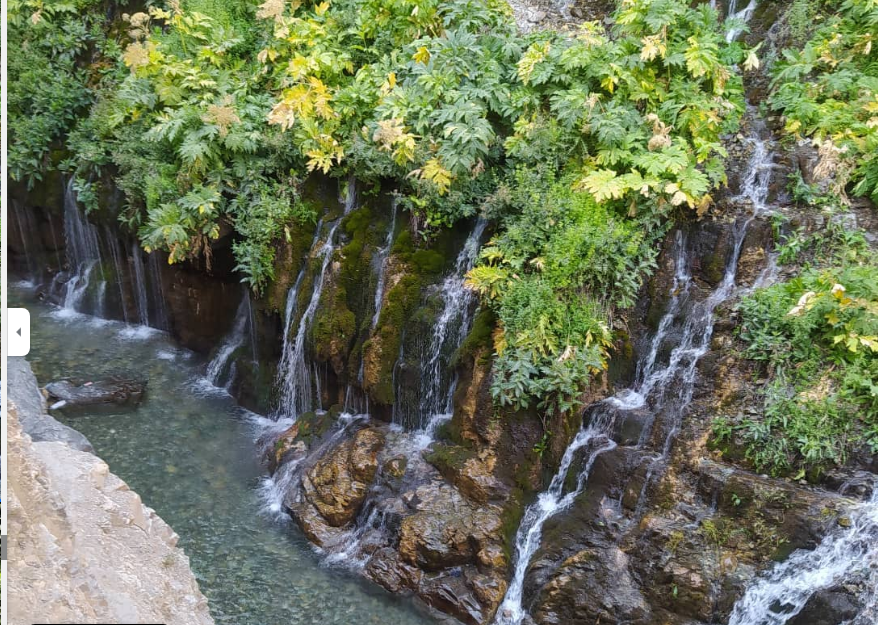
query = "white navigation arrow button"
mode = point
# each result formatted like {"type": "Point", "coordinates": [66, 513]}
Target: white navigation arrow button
{"type": "Point", "coordinates": [19, 340]}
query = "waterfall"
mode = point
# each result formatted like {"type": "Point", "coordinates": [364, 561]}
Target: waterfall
{"type": "Point", "coordinates": [285, 365]}
{"type": "Point", "coordinates": [83, 256]}
{"type": "Point", "coordinates": [217, 373]}
{"type": "Point", "coordinates": [296, 379]}
{"type": "Point", "coordinates": [158, 293]}
{"type": "Point", "coordinates": [355, 400]}
{"type": "Point", "coordinates": [297, 392]}
{"type": "Point", "coordinates": [382, 255]}
{"type": "Point", "coordinates": [743, 16]}
{"type": "Point", "coordinates": [437, 383]}
{"type": "Point", "coordinates": [140, 296]}
{"type": "Point", "coordinates": [780, 595]}
{"type": "Point", "coordinates": [116, 256]}
{"type": "Point", "coordinates": [26, 232]}
{"type": "Point", "coordinates": [548, 504]}
{"type": "Point", "coordinates": [251, 326]}
{"type": "Point", "coordinates": [666, 389]}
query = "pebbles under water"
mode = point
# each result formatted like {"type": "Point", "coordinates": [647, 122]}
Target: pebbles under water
{"type": "Point", "coordinates": [189, 452]}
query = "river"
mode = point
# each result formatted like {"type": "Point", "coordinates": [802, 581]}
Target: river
{"type": "Point", "coordinates": [189, 452]}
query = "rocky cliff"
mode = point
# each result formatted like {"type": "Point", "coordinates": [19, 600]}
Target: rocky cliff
{"type": "Point", "coordinates": [83, 546]}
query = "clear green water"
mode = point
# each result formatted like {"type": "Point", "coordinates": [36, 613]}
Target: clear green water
{"type": "Point", "coordinates": [190, 455]}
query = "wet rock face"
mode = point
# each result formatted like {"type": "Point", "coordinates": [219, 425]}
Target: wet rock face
{"type": "Point", "coordinates": [592, 586]}
{"type": "Point", "coordinates": [446, 530]}
{"type": "Point", "coordinates": [828, 607]}
{"type": "Point", "coordinates": [337, 484]}
{"type": "Point", "coordinates": [75, 394]}
{"type": "Point", "coordinates": [201, 308]}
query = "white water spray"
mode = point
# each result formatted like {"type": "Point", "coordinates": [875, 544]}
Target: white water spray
{"type": "Point", "coordinates": [218, 372]}
{"type": "Point", "coordinates": [780, 595]}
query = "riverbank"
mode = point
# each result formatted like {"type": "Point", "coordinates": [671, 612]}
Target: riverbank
{"type": "Point", "coordinates": [188, 450]}
{"type": "Point", "coordinates": [85, 548]}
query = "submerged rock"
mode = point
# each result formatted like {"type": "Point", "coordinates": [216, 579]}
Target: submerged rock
{"type": "Point", "coordinates": [119, 391]}
{"type": "Point", "coordinates": [35, 422]}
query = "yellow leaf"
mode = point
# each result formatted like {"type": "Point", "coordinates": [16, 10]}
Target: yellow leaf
{"type": "Point", "coordinates": [437, 174]}
{"type": "Point", "coordinates": [752, 61]}
{"type": "Point", "coordinates": [321, 8]}
{"type": "Point", "coordinates": [422, 55]}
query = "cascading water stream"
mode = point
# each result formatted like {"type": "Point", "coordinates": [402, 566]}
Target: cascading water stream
{"type": "Point", "coordinates": [655, 387]}
{"type": "Point", "coordinates": [295, 376]}
{"type": "Point", "coordinates": [158, 293]}
{"type": "Point", "coordinates": [26, 231]}
{"type": "Point", "coordinates": [356, 401]}
{"type": "Point", "coordinates": [116, 256]}
{"type": "Point", "coordinates": [297, 392]}
{"type": "Point", "coordinates": [595, 439]}
{"type": "Point", "coordinates": [777, 597]}
{"type": "Point", "coordinates": [218, 372]}
{"type": "Point", "coordinates": [140, 296]}
{"type": "Point", "coordinates": [382, 255]}
{"type": "Point", "coordinates": [83, 255]}
{"type": "Point", "coordinates": [449, 332]}
{"type": "Point", "coordinates": [285, 365]}
{"type": "Point", "coordinates": [741, 17]}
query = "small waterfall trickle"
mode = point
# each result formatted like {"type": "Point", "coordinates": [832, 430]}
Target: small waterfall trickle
{"type": "Point", "coordinates": [116, 256]}
{"type": "Point", "coordinates": [158, 293]}
{"type": "Point", "coordinates": [83, 258]}
{"type": "Point", "coordinates": [297, 380]}
{"type": "Point", "coordinates": [27, 232]}
{"type": "Point", "coordinates": [297, 393]}
{"type": "Point", "coordinates": [219, 370]}
{"type": "Point", "coordinates": [666, 389]}
{"type": "Point", "coordinates": [742, 17]}
{"type": "Point", "coordinates": [437, 382]}
{"type": "Point", "coordinates": [595, 440]}
{"type": "Point", "coordinates": [285, 365]}
{"type": "Point", "coordinates": [777, 597]}
{"type": "Point", "coordinates": [381, 262]}
{"type": "Point", "coordinates": [140, 294]}
{"type": "Point", "coordinates": [356, 401]}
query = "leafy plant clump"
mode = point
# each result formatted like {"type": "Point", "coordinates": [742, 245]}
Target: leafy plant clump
{"type": "Point", "coordinates": [817, 336]}
{"type": "Point", "coordinates": [49, 76]}
{"type": "Point", "coordinates": [828, 92]}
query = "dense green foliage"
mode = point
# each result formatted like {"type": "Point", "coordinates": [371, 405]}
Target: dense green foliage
{"type": "Point", "coordinates": [828, 91]}
{"type": "Point", "coordinates": [581, 146]}
{"type": "Point", "coordinates": [49, 73]}
{"type": "Point", "coordinates": [817, 337]}
{"type": "Point", "coordinates": [617, 130]}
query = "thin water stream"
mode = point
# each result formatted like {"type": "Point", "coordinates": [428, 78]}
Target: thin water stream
{"type": "Point", "coordinates": [665, 388]}
{"type": "Point", "coordinates": [190, 455]}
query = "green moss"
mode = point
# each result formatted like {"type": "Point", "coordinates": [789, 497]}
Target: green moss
{"type": "Point", "coordinates": [313, 426]}
{"type": "Point", "coordinates": [480, 335]}
{"type": "Point", "coordinates": [428, 261]}
{"type": "Point", "coordinates": [510, 519]}
{"type": "Point", "coordinates": [357, 221]}
{"type": "Point", "coordinates": [448, 459]}
{"type": "Point", "coordinates": [403, 246]}
{"type": "Point", "coordinates": [401, 301]}
{"type": "Point", "coordinates": [334, 328]}
{"type": "Point", "coordinates": [289, 256]}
